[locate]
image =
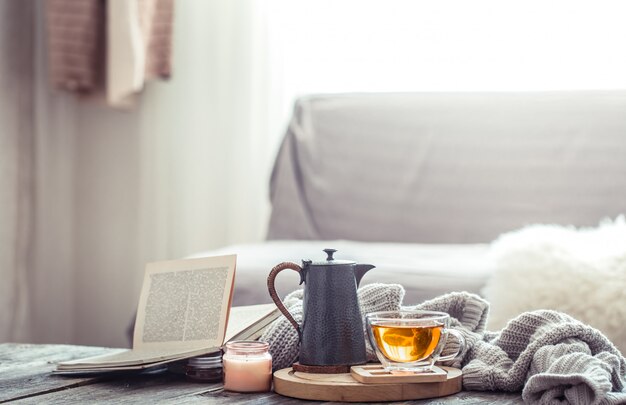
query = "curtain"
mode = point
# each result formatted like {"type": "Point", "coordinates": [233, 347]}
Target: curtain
{"type": "Point", "coordinates": [206, 141]}
{"type": "Point", "coordinates": [16, 166]}
{"type": "Point", "coordinates": [37, 216]}
{"type": "Point", "coordinates": [184, 172]}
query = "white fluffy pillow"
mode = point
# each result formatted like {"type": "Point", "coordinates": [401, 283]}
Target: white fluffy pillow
{"type": "Point", "coordinates": [581, 272]}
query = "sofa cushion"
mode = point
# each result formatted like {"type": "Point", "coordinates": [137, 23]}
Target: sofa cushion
{"type": "Point", "coordinates": [448, 167]}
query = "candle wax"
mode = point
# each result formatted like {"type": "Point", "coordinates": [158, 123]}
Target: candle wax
{"type": "Point", "coordinates": [243, 375]}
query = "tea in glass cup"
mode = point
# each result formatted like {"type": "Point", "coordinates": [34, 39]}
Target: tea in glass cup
{"type": "Point", "coordinates": [410, 340]}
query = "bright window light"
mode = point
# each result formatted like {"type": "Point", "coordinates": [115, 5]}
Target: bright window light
{"type": "Point", "coordinates": [447, 45]}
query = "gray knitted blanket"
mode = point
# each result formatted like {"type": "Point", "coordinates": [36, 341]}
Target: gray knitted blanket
{"type": "Point", "coordinates": [549, 356]}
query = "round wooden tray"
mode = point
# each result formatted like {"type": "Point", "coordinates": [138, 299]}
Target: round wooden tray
{"type": "Point", "coordinates": [344, 388]}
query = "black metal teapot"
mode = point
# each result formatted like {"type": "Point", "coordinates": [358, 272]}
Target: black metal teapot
{"type": "Point", "coordinates": [331, 333]}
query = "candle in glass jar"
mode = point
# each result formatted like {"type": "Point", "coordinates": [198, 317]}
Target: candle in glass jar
{"type": "Point", "coordinates": [247, 367]}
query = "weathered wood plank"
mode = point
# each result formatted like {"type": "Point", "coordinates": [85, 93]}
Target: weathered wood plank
{"type": "Point", "coordinates": [167, 388]}
{"type": "Point", "coordinates": [125, 389]}
{"type": "Point", "coordinates": [25, 376]}
{"type": "Point", "coordinates": [25, 369]}
{"type": "Point", "coordinates": [465, 398]}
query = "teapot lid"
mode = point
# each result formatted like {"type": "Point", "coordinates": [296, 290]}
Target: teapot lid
{"type": "Point", "coordinates": [330, 260]}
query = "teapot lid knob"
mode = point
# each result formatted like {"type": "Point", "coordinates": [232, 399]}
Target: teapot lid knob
{"type": "Point", "coordinates": [330, 253]}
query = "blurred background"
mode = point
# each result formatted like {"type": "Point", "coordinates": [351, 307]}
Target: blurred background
{"type": "Point", "coordinates": [91, 190]}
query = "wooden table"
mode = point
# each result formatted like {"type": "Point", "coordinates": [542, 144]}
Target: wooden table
{"type": "Point", "coordinates": [25, 378]}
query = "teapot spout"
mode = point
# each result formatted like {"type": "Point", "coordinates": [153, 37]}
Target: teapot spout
{"type": "Point", "coordinates": [360, 271]}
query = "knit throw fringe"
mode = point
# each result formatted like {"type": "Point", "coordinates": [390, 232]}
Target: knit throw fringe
{"type": "Point", "coordinates": [549, 356]}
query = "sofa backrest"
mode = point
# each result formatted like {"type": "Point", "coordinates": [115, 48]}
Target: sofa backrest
{"type": "Point", "coordinates": [448, 167]}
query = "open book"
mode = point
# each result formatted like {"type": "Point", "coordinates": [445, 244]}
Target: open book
{"type": "Point", "coordinates": [250, 321]}
{"type": "Point", "coordinates": [183, 312]}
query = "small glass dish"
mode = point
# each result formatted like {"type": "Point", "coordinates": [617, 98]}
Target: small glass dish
{"type": "Point", "coordinates": [205, 368]}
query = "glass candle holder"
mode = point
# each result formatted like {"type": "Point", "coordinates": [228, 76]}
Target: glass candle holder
{"type": "Point", "coordinates": [247, 366]}
{"type": "Point", "coordinates": [205, 368]}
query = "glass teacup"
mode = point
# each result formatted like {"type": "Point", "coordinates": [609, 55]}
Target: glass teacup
{"type": "Point", "coordinates": [410, 340]}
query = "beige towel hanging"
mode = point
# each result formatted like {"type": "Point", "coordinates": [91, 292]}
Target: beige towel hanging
{"type": "Point", "coordinates": [139, 46]}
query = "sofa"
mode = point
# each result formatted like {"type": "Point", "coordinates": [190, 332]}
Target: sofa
{"type": "Point", "coordinates": [419, 184]}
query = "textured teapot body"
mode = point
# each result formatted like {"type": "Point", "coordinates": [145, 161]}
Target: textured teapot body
{"type": "Point", "coordinates": [331, 333]}
{"type": "Point", "coordinates": [332, 326]}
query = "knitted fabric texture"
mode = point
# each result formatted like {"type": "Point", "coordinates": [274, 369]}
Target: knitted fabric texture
{"type": "Point", "coordinates": [549, 356]}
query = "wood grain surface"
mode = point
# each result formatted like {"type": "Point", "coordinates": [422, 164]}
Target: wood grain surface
{"type": "Point", "coordinates": [376, 374]}
{"type": "Point", "coordinates": [344, 388]}
{"type": "Point", "coordinates": [25, 369]}
{"type": "Point", "coordinates": [25, 378]}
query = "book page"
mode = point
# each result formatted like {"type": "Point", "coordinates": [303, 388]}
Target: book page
{"type": "Point", "coordinates": [128, 358]}
{"type": "Point", "coordinates": [184, 304]}
{"type": "Point", "coordinates": [249, 317]}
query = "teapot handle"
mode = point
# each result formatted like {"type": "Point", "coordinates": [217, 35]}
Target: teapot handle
{"type": "Point", "coordinates": [272, 289]}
